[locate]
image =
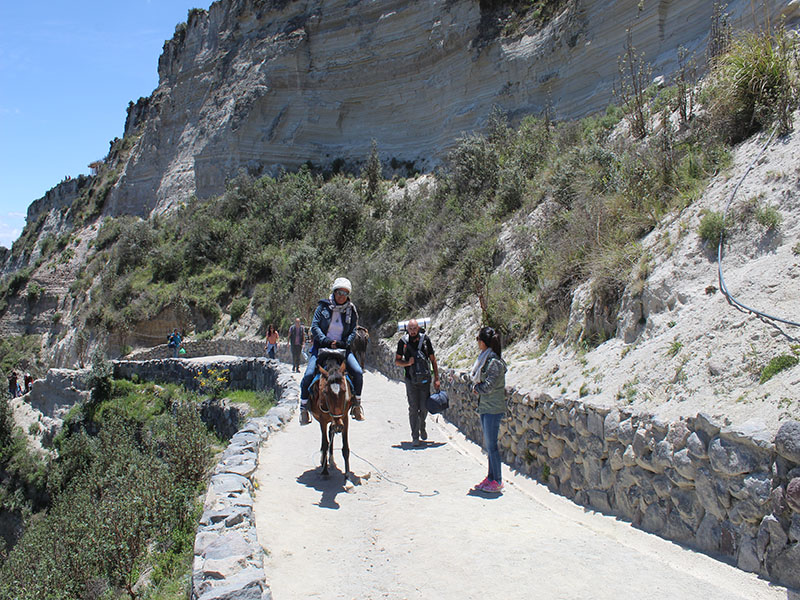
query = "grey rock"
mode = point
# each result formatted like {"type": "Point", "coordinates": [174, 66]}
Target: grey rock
{"type": "Point", "coordinates": [707, 424]}
{"type": "Point", "coordinates": [227, 545]}
{"type": "Point", "coordinates": [684, 464]}
{"type": "Point", "coordinates": [707, 494]}
{"type": "Point", "coordinates": [678, 530]}
{"type": "Point", "coordinates": [793, 494]}
{"type": "Point", "coordinates": [245, 585]}
{"type": "Point", "coordinates": [662, 486]}
{"type": "Point", "coordinates": [771, 539]}
{"type": "Point", "coordinates": [696, 446]}
{"type": "Point", "coordinates": [787, 441]}
{"type": "Point", "coordinates": [747, 558]}
{"type": "Point", "coordinates": [690, 510]}
{"type": "Point", "coordinates": [611, 426]}
{"type": "Point", "coordinates": [756, 487]}
{"type": "Point", "coordinates": [677, 434]}
{"type": "Point", "coordinates": [629, 457]}
{"type": "Point", "coordinates": [596, 424]}
{"type": "Point", "coordinates": [730, 458]}
{"type": "Point", "coordinates": [662, 456]}
{"type": "Point", "coordinates": [615, 459]}
{"type": "Point", "coordinates": [794, 528]}
{"type": "Point", "coordinates": [625, 432]}
{"type": "Point", "coordinates": [654, 518]}
{"type": "Point", "coordinates": [784, 568]}
{"type": "Point", "coordinates": [607, 476]}
{"type": "Point", "coordinates": [709, 534]}
{"type": "Point", "coordinates": [753, 434]}
{"type": "Point", "coordinates": [599, 500]}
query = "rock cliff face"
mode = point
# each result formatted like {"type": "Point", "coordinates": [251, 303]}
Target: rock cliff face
{"type": "Point", "coordinates": [263, 85]}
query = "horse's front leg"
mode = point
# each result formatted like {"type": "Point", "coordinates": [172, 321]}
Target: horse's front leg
{"type": "Point", "coordinates": [346, 450]}
{"type": "Point", "coordinates": [332, 434]}
{"type": "Point", "coordinates": [324, 449]}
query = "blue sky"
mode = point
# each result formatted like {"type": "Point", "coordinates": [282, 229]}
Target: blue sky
{"type": "Point", "coordinates": [67, 73]}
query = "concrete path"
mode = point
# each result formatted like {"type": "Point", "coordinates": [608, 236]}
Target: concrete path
{"type": "Point", "coordinates": [408, 527]}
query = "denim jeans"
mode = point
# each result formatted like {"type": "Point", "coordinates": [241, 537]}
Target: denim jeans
{"type": "Point", "coordinates": [490, 423]}
{"type": "Point", "coordinates": [353, 369]}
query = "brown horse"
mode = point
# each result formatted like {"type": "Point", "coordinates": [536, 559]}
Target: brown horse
{"type": "Point", "coordinates": [330, 405]}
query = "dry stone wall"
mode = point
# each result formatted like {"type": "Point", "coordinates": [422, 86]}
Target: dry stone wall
{"type": "Point", "coordinates": [732, 492]}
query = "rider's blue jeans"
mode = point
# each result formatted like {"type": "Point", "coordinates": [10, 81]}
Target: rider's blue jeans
{"type": "Point", "coordinates": [353, 369]}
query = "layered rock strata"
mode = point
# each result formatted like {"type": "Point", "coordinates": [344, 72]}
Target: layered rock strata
{"type": "Point", "coordinates": [265, 86]}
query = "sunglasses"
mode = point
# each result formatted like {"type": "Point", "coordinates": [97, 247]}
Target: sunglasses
{"type": "Point", "coordinates": [342, 293]}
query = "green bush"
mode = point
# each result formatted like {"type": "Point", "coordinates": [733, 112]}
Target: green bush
{"type": "Point", "coordinates": [754, 84]}
{"type": "Point", "coordinates": [776, 365]}
{"type": "Point", "coordinates": [712, 228]}
{"type": "Point", "coordinates": [238, 306]}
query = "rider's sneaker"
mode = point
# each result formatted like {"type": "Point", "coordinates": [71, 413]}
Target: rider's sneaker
{"type": "Point", "coordinates": [305, 419]}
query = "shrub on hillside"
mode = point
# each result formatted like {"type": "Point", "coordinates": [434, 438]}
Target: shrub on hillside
{"type": "Point", "coordinates": [754, 85]}
{"type": "Point", "coordinates": [712, 228]}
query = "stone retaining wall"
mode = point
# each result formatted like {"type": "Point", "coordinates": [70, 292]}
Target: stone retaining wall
{"type": "Point", "coordinates": [732, 492]}
{"type": "Point", "coordinates": [220, 347]}
{"type": "Point", "coordinates": [228, 560]}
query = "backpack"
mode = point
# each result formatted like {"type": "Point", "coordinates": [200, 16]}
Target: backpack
{"type": "Point", "coordinates": [438, 402]}
{"type": "Point", "coordinates": [420, 371]}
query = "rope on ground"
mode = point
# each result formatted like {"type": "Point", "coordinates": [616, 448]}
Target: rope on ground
{"type": "Point", "coordinates": [724, 288]}
{"type": "Point", "coordinates": [382, 475]}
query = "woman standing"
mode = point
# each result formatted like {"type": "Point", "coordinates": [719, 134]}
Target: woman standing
{"type": "Point", "coordinates": [489, 383]}
{"type": "Point", "coordinates": [272, 341]}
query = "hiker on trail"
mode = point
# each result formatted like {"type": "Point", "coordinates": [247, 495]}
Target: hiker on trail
{"type": "Point", "coordinates": [334, 326]}
{"type": "Point", "coordinates": [488, 383]}
{"type": "Point", "coordinates": [28, 382]}
{"type": "Point", "coordinates": [174, 342]}
{"type": "Point", "coordinates": [272, 341]}
{"type": "Point", "coordinates": [415, 353]}
{"type": "Point", "coordinates": [13, 386]}
{"type": "Point", "coordinates": [297, 339]}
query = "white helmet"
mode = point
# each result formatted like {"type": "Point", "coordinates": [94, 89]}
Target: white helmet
{"type": "Point", "coordinates": [342, 283]}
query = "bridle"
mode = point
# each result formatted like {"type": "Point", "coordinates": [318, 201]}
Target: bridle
{"type": "Point", "coordinates": [337, 388]}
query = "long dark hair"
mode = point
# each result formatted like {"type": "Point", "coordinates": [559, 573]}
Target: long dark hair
{"type": "Point", "coordinates": [491, 338]}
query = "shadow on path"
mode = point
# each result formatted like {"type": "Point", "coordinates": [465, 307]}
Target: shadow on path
{"type": "Point", "coordinates": [330, 487]}
{"type": "Point", "coordinates": [422, 445]}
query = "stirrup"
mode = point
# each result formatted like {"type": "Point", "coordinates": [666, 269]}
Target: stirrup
{"type": "Point", "coordinates": [357, 412]}
{"type": "Point", "coordinates": [305, 419]}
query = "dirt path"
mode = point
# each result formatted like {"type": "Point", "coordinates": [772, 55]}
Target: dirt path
{"type": "Point", "coordinates": [411, 528]}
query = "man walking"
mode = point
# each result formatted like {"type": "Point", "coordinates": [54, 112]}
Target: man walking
{"type": "Point", "coordinates": [415, 353]}
{"type": "Point", "coordinates": [297, 339]}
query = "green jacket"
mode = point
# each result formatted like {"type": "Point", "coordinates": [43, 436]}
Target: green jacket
{"type": "Point", "coordinates": [492, 388]}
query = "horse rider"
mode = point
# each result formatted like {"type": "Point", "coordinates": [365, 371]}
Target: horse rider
{"type": "Point", "coordinates": [334, 326]}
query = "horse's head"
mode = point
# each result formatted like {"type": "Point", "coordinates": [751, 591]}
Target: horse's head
{"type": "Point", "coordinates": [335, 395]}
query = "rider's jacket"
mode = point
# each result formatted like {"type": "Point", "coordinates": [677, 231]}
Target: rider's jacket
{"type": "Point", "coordinates": [322, 321]}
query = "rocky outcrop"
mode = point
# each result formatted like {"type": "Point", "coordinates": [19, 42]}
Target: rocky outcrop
{"type": "Point", "coordinates": [262, 86]}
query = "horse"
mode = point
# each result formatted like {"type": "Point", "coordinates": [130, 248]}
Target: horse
{"type": "Point", "coordinates": [330, 405]}
{"type": "Point", "coordinates": [359, 345]}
